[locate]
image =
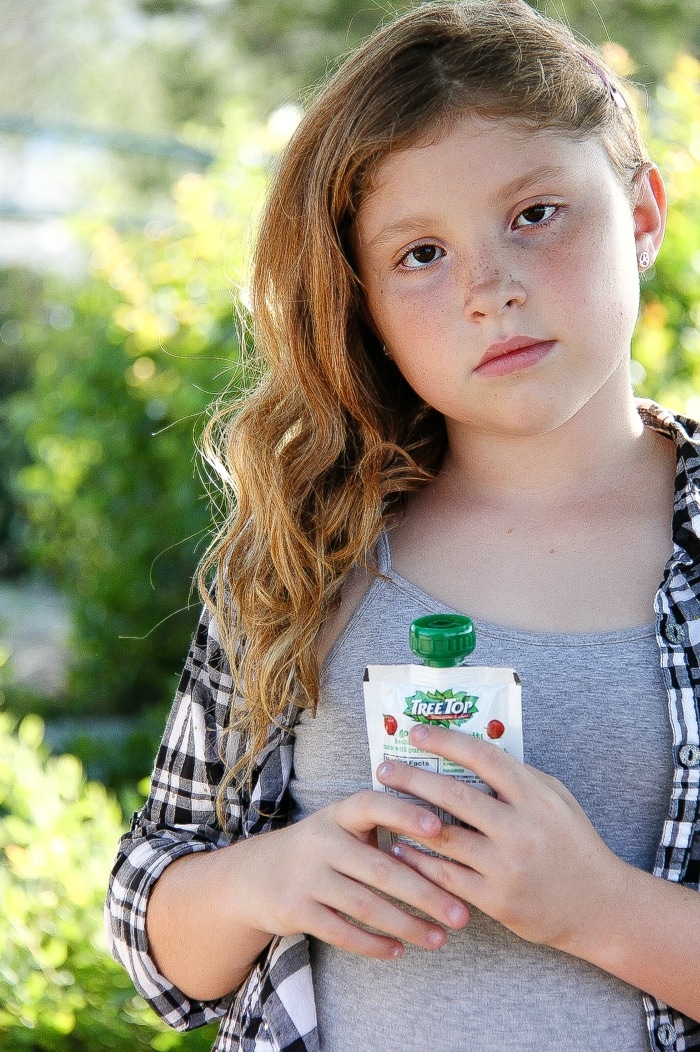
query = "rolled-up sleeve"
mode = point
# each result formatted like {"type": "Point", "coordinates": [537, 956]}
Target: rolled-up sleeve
{"type": "Point", "coordinates": [177, 819]}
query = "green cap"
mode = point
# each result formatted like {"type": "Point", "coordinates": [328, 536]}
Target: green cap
{"type": "Point", "coordinates": [442, 640]}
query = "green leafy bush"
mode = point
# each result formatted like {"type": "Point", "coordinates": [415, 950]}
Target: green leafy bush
{"type": "Point", "coordinates": [110, 506]}
{"type": "Point", "coordinates": [117, 512]}
{"type": "Point", "coordinates": [20, 289]}
{"type": "Point", "coordinates": [667, 344]}
{"type": "Point", "coordinates": [60, 991]}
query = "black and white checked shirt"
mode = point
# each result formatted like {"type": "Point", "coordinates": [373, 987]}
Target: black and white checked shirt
{"type": "Point", "coordinates": [275, 1011]}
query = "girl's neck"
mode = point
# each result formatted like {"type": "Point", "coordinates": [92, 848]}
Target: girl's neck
{"type": "Point", "coordinates": [564, 532]}
{"type": "Point", "coordinates": [588, 455]}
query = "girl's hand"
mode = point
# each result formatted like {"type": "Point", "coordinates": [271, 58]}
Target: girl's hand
{"type": "Point", "coordinates": [532, 859]}
{"type": "Point", "coordinates": [325, 876]}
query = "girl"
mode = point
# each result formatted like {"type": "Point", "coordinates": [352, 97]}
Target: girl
{"type": "Point", "coordinates": [445, 288]}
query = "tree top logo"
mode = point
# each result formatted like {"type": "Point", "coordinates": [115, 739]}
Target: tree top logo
{"type": "Point", "coordinates": [442, 708]}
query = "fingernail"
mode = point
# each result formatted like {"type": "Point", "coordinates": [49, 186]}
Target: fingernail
{"type": "Point", "coordinates": [418, 734]}
{"type": "Point", "coordinates": [397, 951]}
{"type": "Point", "coordinates": [384, 770]}
{"type": "Point", "coordinates": [456, 915]}
{"type": "Point", "coordinates": [430, 823]}
{"type": "Point", "coordinates": [436, 937]}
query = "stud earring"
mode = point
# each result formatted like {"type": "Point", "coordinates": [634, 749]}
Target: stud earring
{"type": "Point", "coordinates": [644, 260]}
{"type": "Point", "coordinates": [386, 352]}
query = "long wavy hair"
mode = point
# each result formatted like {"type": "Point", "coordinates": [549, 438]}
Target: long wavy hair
{"type": "Point", "coordinates": [323, 451]}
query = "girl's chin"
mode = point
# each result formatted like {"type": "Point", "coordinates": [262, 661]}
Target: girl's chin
{"type": "Point", "coordinates": [534, 412]}
{"type": "Point", "coordinates": [529, 421]}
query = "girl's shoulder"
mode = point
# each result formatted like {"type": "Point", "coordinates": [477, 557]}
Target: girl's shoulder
{"type": "Point", "coordinates": [682, 429]}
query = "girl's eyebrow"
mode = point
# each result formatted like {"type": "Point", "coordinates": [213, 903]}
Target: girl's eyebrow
{"type": "Point", "coordinates": [405, 225]}
{"type": "Point", "coordinates": [521, 182]}
{"type": "Point", "coordinates": [410, 223]}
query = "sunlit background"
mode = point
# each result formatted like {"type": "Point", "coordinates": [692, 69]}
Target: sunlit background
{"type": "Point", "coordinates": [135, 138]}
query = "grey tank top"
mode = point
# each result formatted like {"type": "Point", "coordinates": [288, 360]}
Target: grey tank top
{"type": "Point", "coordinates": [595, 716]}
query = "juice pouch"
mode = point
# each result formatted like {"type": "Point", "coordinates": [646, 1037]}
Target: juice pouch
{"type": "Point", "coordinates": [482, 701]}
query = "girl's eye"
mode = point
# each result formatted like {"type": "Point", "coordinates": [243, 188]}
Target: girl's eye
{"type": "Point", "coordinates": [421, 256]}
{"type": "Point", "coordinates": [534, 216]}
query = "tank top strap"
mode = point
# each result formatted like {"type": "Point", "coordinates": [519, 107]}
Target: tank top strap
{"type": "Point", "coordinates": [383, 554]}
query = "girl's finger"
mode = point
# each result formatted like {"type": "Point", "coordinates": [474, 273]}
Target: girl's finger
{"type": "Point", "coordinates": [466, 802]}
{"type": "Point", "coordinates": [494, 766]}
{"type": "Point", "coordinates": [362, 812]}
{"type": "Point", "coordinates": [371, 910]}
{"type": "Point", "coordinates": [330, 926]}
{"type": "Point", "coordinates": [380, 871]}
{"type": "Point", "coordinates": [462, 881]}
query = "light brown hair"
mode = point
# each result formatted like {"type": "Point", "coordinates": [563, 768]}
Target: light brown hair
{"type": "Point", "coordinates": [317, 458]}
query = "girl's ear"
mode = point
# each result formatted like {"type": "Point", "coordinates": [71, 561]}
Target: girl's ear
{"type": "Point", "coordinates": [649, 211]}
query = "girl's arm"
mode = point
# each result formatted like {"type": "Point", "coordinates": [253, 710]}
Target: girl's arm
{"type": "Point", "coordinates": [174, 824]}
{"type": "Point", "coordinates": [196, 930]}
{"type": "Point", "coordinates": [534, 862]}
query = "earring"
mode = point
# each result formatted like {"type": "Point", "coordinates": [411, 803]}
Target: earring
{"type": "Point", "coordinates": [386, 352]}
{"type": "Point", "coordinates": [644, 260]}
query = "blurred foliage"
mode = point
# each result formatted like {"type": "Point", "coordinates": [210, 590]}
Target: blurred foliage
{"type": "Point", "coordinates": [116, 511]}
{"type": "Point", "coordinates": [17, 291]}
{"type": "Point", "coordinates": [64, 60]}
{"type": "Point", "coordinates": [667, 343]}
{"type": "Point", "coordinates": [60, 991]}
{"type": "Point", "coordinates": [293, 42]}
{"type": "Point", "coordinates": [284, 45]}
{"type": "Point", "coordinates": [652, 31]}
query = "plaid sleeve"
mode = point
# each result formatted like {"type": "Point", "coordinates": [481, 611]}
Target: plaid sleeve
{"type": "Point", "coordinates": [177, 819]}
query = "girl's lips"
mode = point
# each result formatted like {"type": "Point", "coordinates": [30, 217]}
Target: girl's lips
{"type": "Point", "coordinates": [512, 356]}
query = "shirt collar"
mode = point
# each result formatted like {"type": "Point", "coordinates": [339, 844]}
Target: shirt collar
{"type": "Point", "coordinates": [685, 434]}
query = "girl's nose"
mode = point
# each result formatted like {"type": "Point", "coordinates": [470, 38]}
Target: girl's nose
{"type": "Point", "coordinates": [492, 295]}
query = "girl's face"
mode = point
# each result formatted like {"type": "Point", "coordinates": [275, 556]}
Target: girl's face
{"type": "Point", "coordinates": [500, 271]}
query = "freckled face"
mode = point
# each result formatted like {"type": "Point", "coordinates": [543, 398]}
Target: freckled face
{"type": "Point", "coordinates": [506, 244]}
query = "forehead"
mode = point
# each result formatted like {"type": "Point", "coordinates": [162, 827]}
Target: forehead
{"type": "Point", "coordinates": [488, 158]}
